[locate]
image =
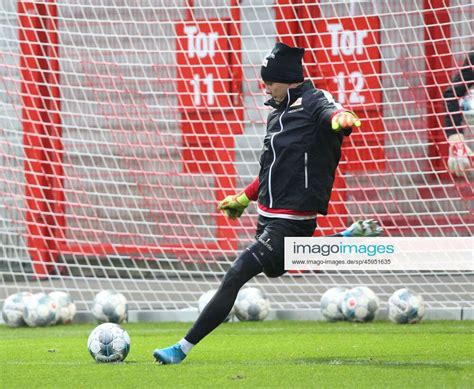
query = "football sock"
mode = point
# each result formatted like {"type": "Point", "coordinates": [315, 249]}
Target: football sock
{"type": "Point", "coordinates": [185, 346]}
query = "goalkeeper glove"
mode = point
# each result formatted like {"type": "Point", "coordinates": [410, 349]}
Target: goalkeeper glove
{"type": "Point", "coordinates": [343, 120]}
{"type": "Point", "coordinates": [234, 206]}
{"type": "Point", "coordinates": [458, 160]}
{"type": "Point", "coordinates": [361, 228]}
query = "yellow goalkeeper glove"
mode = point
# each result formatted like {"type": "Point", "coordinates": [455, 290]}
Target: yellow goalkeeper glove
{"type": "Point", "coordinates": [234, 205]}
{"type": "Point", "coordinates": [343, 120]}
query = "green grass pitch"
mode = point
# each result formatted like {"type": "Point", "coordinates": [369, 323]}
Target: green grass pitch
{"type": "Point", "coordinates": [264, 354]}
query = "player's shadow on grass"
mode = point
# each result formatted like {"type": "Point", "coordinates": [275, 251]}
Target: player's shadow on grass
{"type": "Point", "coordinates": [376, 362]}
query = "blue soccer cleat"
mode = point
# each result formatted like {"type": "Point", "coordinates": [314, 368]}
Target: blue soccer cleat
{"type": "Point", "coordinates": [169, 356]}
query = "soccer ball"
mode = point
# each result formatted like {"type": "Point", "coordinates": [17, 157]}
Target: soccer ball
{"type": "Point", "coordinates": [13, 307]}
{"type": "Point", "coordinates": [109, 342]}
{"type": "Point", "coordinates": [331, 302]}
{"type": "Point", "coordinates": [405, 307]}
{"type": "Point", "coordinates": [251, 305]}
{"type": "Point", "coordinates": [204, 300]}
{"type": "Point", "coordinates": [40, 310]}
{"type": "Point", "coordinates": [110, 307]}
{"type": "Point", "coordinates": [66, 307]}
{"type": "Point", "coordinates": [360, 304]}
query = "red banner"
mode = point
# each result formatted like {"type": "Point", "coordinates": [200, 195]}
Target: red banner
{"type": "Point", "coordinates": [348, 58]}
{"type": "Point", "coordinates": [204, 78]}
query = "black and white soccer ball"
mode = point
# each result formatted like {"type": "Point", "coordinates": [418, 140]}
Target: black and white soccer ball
{"type": "Point", "coordinates": [13, 307]}
{"type": "Point", "coordinates": [40, 310]}
{"type": "Point", "coordinates": [331, 303]}
{"type": "Point", "coordinates": [405, 307]}
{"type": "Point", "coordinates": [204, 300]}
{"type": "Point", "coordinates": [110, 307]}
{"type": "Point", "coordinates": [251, 305]}
{"type": "Point", "coordinates": [360, 304]}
{"type": "Point", "coordinates": [66, 307]}
{"type": "Point", "coordinates": [108, 342]}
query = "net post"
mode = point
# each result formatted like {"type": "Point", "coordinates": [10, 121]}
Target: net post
{"type": "Point", "coordinates": [438, 61]}
{"type": "Point", "coordinates": [41, 123]}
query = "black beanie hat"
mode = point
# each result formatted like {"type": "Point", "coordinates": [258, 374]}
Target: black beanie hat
{"type": "Point", "coordinates": [284, 64]}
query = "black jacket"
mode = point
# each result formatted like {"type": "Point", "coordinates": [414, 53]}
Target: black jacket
{"type": "Point", "coordinates": [301, 151]}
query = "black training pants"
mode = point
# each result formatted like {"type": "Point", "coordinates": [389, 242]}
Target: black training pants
{"type": "Point", "coordinates": [265, 254]}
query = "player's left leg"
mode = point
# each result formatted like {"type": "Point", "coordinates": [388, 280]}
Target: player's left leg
{"type": "Point", "coordinates": [245, 267]}
{"type": "Point", "coordinates": [266, 253]}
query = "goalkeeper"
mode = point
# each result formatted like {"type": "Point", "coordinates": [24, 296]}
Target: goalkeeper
{"type": "Point", "coordinates": [459, 152]}
{"type": "Point", "coordinates": [301, 151]}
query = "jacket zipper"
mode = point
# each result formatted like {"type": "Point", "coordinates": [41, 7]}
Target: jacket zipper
{"type": "Point", "coordinates": [306, 170]}
{"type": "Point", "coordinates": [274, 152]}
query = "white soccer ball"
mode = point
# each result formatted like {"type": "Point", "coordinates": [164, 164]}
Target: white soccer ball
{"type": "Point", "coordinates": [109, 342]}
{"type": "Point", "coordinates": [204, 300]}
{"type": "Point", "coordinates": [13, 306]}
{"type": "Point", "coordinates": [360, 304]}
{"type": "Point", "coordinates": [66, 307]}
{"type": "Point", "coordinates": [405, 307]}
{"type": "Point", "coordinates": [40, 310]}
{"type": "Point", "coordinates": [331, 303]}
{"type": "Point", "coordinates": [110, 307]}
{"type": "Point", "coordinates": [251, 305]}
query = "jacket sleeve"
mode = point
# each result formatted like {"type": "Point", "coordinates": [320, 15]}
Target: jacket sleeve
{"type": "Point", "coordinates": [252, 189]}
{"type": "Point", "coordinates": [323, 108]}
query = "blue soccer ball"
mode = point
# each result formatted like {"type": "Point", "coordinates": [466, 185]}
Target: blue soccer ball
{"type": "Point", "coordinates": [251, 305]}
{"type": "Point", "coordinates": [331, 303]}
{"type": "Point", "coordinates": [110, 307]}
{"type": "Point", "coordinates": [66, 307]}
{"type": "Point", "coordinates": [360, 304]}
{"type": "Point", "coordinates": [405, 307]}
{"type": "Point", "coordinates": [13, 308]}
{"type": "Point", "coordinates": [40, 311]}
{"type": "Point", "coordinates": [108, 342]}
